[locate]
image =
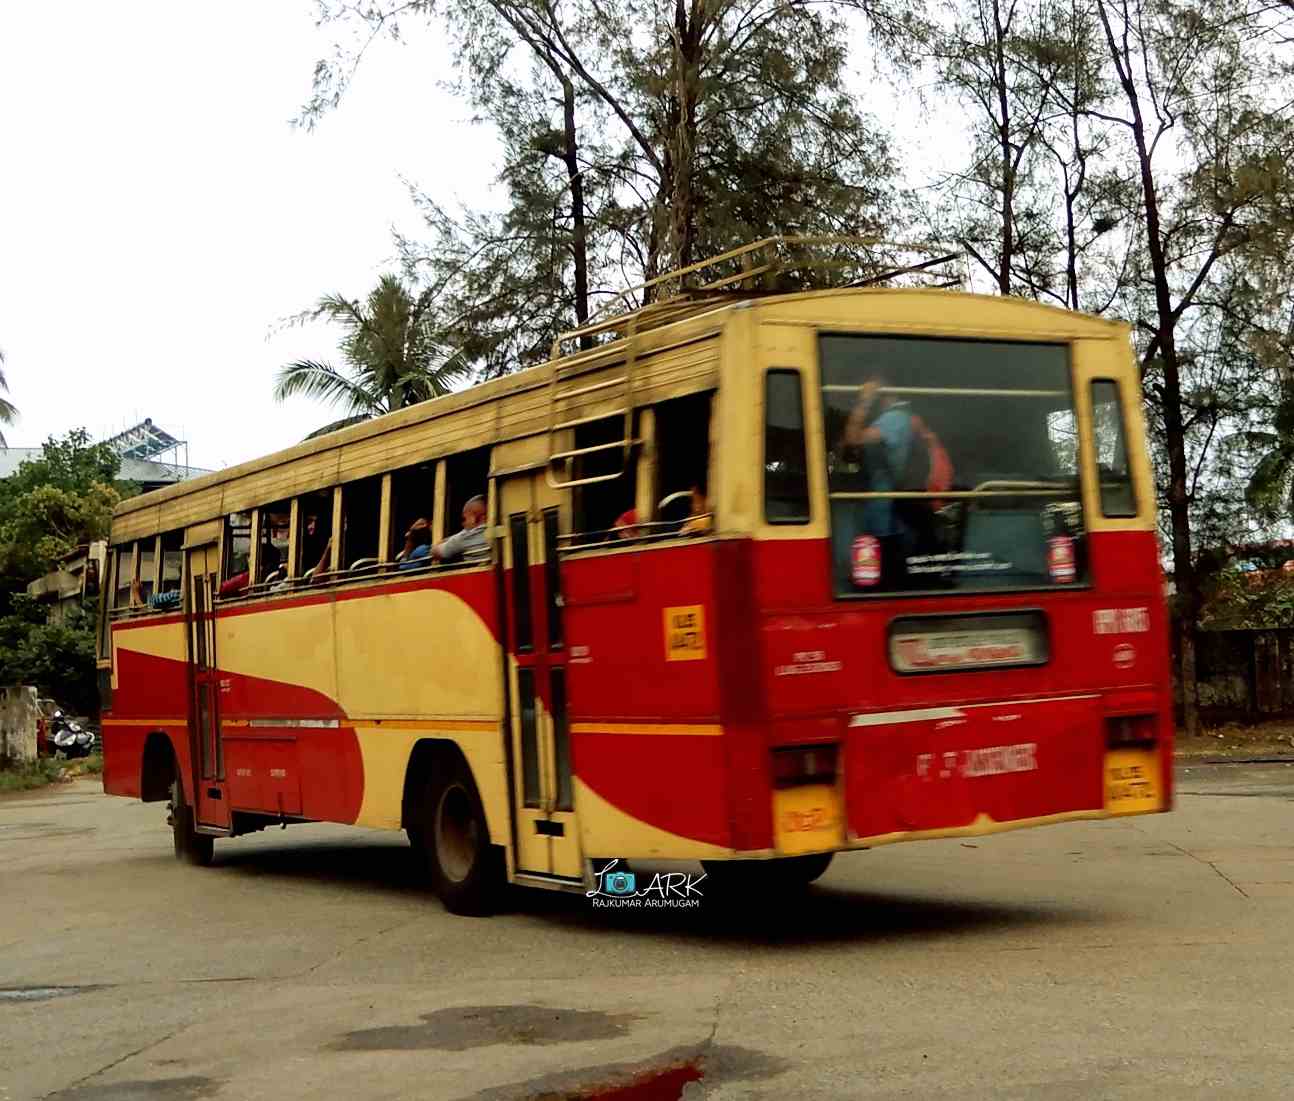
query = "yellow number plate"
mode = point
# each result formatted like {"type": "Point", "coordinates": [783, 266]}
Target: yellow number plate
{"type": "Point", "coordinates": [1132, 781]}
{"type": "Point", "coordinates": [808, 819]}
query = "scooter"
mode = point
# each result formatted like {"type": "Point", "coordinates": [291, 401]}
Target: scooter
{"type": "Point", "coordinates": [70, 738]}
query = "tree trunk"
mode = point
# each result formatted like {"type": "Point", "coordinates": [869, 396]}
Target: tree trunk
{"type": "Point", "coordinates": [579, 231]}
{"type": "Point", "coordinates": [1008, 167]}
{"type": "Point", "coordinates": [1184, 577]}
{"type": "Point", "coordinates": [683, 215]}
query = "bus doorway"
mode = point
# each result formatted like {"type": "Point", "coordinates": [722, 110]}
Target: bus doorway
{"type": "Point", "coordinates": [543, 807]}
{"type": "Point", "coordinates": [211, 807]}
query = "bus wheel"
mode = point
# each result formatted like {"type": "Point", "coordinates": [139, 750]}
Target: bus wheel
{"type": "Point", "coordinates": [190, 846]}
{"type": "Point", "coordinates": [455, 842]}
{"type": "Point", "coordinates": [786, 873]}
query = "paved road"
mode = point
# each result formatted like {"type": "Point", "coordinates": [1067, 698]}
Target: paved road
{"type": "Point", "coordinates": [1147, 958]}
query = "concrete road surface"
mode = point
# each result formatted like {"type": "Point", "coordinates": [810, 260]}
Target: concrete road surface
{"type": "Point", "coordinates": [1147, 958]}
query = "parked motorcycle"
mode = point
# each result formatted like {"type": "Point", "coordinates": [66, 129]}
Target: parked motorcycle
{"type": "Point", "coordinates": [69, 737]}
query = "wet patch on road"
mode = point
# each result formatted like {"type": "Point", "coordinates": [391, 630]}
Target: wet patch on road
{"type": "Point", "coordinates": [192, 1088]}
{"type": "Point", "coordinates": [474, 1026]}
{"type": "Point", "coordinates": [663, 1077]}
{"type": "Point", "coordinates": [40, 993]}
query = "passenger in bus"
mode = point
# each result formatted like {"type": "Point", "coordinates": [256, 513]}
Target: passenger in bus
{"type": "Point", "coordinates": [417, 544]}
{"type": "Point", "coordinates": [269, 564]}
{"type": "Point", "coordinates": [879, 429]}
{"type": "Point", "coordinates": [699, 518]}
{"type": "Point", "coordinates": [626, 525]}
{"type": "Point", "coordinates": [468, 542]}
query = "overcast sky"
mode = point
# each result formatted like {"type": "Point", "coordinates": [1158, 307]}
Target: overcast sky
{"type": "Point", "coordinates": [159, 214]}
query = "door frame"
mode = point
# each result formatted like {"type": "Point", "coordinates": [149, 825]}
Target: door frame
{"type": "Point", "coordinates": [545, 830]}
{"type": "Point", "coordinates": [206, 757]}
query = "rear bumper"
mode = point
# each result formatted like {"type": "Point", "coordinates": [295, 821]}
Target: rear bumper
{"type": "Point", "coordinates": [966, 771]}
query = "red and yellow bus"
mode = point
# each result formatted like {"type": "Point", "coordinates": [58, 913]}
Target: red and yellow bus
{"type": "Point", "coordinates": [759, 579]}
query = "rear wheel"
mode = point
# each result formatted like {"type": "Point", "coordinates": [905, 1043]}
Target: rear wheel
{"type": "Point", "coordinates": [452, 838]}
{"type": "Point", "coordinates": [190, 846]}
{"type": "Point", "coordinates": [786, 873]}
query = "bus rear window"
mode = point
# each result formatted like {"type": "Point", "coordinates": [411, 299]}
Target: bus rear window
{"type": "Point", "coordinates": [952, 465]}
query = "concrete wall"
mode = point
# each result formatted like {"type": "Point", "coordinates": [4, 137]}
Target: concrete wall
{"type": "Point", "coordinates": [17, 723]}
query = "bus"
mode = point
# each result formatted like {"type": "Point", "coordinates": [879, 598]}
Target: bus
{"type": "Point", "coordinates": [741, 578]}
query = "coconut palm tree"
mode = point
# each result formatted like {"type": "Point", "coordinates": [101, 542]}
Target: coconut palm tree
{"type": "Point", "coordinates": [8, 413]}
{"type": "Point", "coordinates": [392, 350]}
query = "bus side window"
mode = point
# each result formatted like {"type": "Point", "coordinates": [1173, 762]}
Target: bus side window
{"type": "Point", "coordinates": [361, 512]}
{"type": "Point", "coordinates": [413, 497]}
{"type": "Point", "coordinates": [106, 594]}
{"type": "Point", "coordinates": [467, 475]}
{"type": "Point", "coordinates": [683, 464]}
{"type": "Point", "coordinates": [147, 576]}
{"type": "Point", "coordinates": [238, 549]}
{"type": "Point", "coordinates": [786, 469]}
{"type": "Point", "coordinates": [599, 504]}
{"type": "Point", "coordinates": [275, 534]}
{"type": "Point", "coordinates": [172, 566]}
{"type": "Point", "coordinates": [1110, 446]}
{"type": "Point", "coordinates": [315, 518]}
{"type": "Point", "coordinates": [124, 575]}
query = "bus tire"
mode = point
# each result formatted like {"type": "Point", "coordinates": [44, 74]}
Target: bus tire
{"type": "Point", "coordinates": [454, 841]}
{"type": "Point", "coordinates": [190, 846]}
{"type": "Point", "coordinates": [785, 873]}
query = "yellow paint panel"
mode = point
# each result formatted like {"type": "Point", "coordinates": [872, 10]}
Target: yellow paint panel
{"type": "Point", "coordinates": [385, 752]}
{"type": "Point", "coordinates": [1132, 782]}
{"type": "Point", "coordinates": [424, 652]}
{"type": "Point", "coordinates": [685, 633]}
{"type": "Point", "coordinates": [291, 644]}
{"type": "Point", "coordinates": [808, 819]}
{"type": "Point", "coordinates": [605, 830]}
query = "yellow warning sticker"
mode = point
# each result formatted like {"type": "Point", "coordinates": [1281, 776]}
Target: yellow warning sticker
{"type": "Point", "coordinates": [685, 633]}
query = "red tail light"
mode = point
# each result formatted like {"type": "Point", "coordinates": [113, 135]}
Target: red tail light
{"type": "Point", "coordinates": [1129, 730]}
{"type": "Point", "coordinates": [809, 764]}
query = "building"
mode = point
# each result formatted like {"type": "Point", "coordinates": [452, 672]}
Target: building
{"type": "Point", "coordinates": [77, 576]}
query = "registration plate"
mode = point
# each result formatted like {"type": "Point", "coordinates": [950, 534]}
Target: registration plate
{"type": "Point", "coordinates": [808, 819]}
{"type": "Point", "coordinates": [1132, 781]}
{"type": "Point", "coordinates": [944, 644]}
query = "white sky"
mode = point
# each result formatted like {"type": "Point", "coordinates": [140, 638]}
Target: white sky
{"type": "Point", "coordinates": [159, 215]}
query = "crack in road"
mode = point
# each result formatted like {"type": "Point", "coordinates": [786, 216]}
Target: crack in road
{"type": "Point", "coordinates": [115, 1063]}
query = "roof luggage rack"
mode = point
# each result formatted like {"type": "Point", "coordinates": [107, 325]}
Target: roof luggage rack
{"type": "Point", "coordinates": [774, 265]}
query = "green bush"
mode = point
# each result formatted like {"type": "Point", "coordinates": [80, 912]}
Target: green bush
{"type": "Point", "coordinates": [30, 774]}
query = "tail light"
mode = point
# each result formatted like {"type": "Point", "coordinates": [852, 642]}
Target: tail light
{"type": "Point", "coordinates": [809, 764]}
{"type": "Point", "coordinates": [1129, 730]}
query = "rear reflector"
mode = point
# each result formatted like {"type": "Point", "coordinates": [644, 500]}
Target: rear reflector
{"type": "Point", "coordinates": [1129, 730]}
{"type": "Point", "coordinates": [810, 764]}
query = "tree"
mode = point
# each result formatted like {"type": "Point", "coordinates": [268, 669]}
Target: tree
{"type": "Point", "coordinates": [1211, 139]}
{"type": "Point", "coordinates": [394, 355]}
{"type": "Point", "coordinates": [58, 659]}
{"type": "Point", "coordinates": [634, 141]}
{"type": "Point", "coordinates": [55, 503]}
{"type": "Point", "coordinates": [8, 414]}
{"type": "Point", "coordinates": [997, 58]}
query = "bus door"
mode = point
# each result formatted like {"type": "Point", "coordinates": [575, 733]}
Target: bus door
{"type": "Point", "coordinates": [547, 836]}
{"type": "Point", "coordinates": [210, 805]}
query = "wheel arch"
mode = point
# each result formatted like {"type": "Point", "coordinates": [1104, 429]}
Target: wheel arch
{"type": "Point", "coordinates": [159, 767]}
{"type": "Point", "coordinates": [430, 755]}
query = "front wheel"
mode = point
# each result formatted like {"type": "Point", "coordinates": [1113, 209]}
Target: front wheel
{"type": "Point", "coordinates": [785, 873]}
{"type": "Point", "coordinates": [453, 840]}
{"type": "Point", "coordinates": [190, 846]}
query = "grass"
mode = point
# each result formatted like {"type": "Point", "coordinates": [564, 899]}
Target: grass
{"type": "Point", "coordinates": [30, 775]}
